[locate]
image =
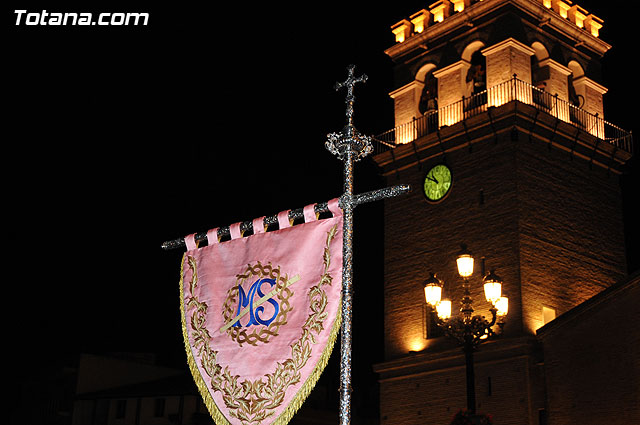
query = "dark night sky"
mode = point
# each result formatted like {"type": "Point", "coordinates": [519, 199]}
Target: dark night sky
{"type": "Point", "coordinates": [120, 138]}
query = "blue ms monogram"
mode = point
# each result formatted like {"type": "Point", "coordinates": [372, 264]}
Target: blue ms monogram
{"type": "Point", "coordinates": [249, 300]}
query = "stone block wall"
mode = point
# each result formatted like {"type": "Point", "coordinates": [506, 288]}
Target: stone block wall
{"type": "Point", "coordinates": [571, 238]}
{"type": "Point", "coordinates": [504, 390]}
{"type": "Point", "coordinates": [592, 360]}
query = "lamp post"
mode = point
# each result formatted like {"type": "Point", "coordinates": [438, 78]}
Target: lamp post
{"type": "Point", "coordinates": [468, 330]}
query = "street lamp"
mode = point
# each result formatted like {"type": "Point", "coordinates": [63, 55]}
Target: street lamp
{"type": "Point", "coordinates": [468, 330]}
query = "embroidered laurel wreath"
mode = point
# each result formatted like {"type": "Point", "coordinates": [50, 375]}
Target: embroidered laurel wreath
{"type": "Point", "coordinates": [253, 401]}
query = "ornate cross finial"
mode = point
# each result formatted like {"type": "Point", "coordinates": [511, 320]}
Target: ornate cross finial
{"type": "Point", "coordinates": [349, 139]}
{"type": "Point", "coordinates": [349, 83]}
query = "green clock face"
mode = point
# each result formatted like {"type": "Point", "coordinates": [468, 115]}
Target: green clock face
{"type": "Point", "coordinates": [437, 183]}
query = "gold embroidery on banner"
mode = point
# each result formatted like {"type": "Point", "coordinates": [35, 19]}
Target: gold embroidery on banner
{"type": "Point", "coordinates": [194, 277]}
{"type": "Point", "coordinates": [262, 333]}
{"type": "Point", "coordinates": [253, 401]}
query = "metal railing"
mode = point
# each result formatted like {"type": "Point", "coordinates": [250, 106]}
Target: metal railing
{"type": "Point", "coordinates": [498, 95]}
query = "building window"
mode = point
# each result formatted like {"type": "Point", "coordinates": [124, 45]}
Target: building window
{"type": "Point", "coordinates": [548, 314]}
{"type": "Point", "coordinates": [158, 408]}
{"type": "Point", "coordinates": [542, 417]}
{"type": "Point", "coordinates": [429, 97]}
{"type": "Point", "coordinates": [430, 323]}
{"type": "Point", "coordinates": [477, 80]}
{"type": "Point", "coordinates": [101, 412]}
{"type": "Point", "coordinates": [121, 409]}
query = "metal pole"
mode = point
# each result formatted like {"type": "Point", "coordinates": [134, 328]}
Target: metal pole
{"type": "Point", "coordinates": [349, 146]}
{"type": "Point", "coordinates": [347, 292]}
{"type": "Point", "coordinates": [471, 384]}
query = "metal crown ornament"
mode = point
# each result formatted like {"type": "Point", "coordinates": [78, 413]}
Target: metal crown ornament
{"type": "Point", "coordinates": [349, 140]}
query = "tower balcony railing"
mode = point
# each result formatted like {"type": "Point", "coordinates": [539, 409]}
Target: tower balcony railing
{"type": "Point", "coordinates": [498, 95]}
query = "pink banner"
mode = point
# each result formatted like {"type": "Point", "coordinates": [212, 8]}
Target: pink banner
{"type": "Point", "coordinates": [260, 315]}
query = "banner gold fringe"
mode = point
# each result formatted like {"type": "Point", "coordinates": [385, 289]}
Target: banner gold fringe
{"type": "Point", "coordinates": [302, 394]}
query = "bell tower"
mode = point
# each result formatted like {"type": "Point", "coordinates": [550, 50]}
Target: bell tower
{"type": "Point", "coordinates": [504, 95]}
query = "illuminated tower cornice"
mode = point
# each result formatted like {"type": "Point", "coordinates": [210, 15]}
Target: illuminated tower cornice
{"type": "Point", "coordinates": [578, 29]}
